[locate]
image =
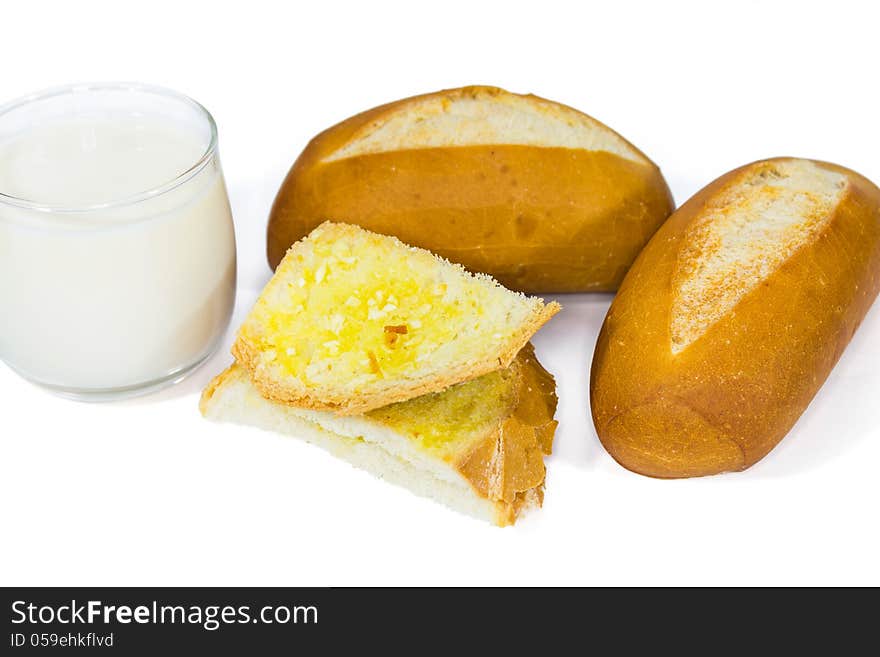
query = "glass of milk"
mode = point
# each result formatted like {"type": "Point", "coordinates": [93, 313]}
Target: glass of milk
{"type": "Point", "coordinates": [117, 250]}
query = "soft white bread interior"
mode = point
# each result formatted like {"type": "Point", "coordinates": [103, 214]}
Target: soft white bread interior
{"type": "Point", "coordinates": [353, 321]}
{"type": "Point", "coordinates": [477, 447]}
{"type": "Point", "coordinates": [486, 116]}
{"type": "Point", "coordinates": [743, 235]}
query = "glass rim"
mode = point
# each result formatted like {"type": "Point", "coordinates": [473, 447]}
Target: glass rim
{"type": "Point", "coordinates": [131, 199]}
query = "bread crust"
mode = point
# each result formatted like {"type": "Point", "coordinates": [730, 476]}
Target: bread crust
{"type": "Point", "coordinates": [726, 400]}
{"type": "Point", "coordinates": [509, 462]}
{"type": "Point", "coordinates": [538, 219]}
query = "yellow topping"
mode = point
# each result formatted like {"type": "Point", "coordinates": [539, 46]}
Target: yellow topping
{"type": "Point", "coordinates": [349, 305]}
{"type": "Point", "coordinates": [443, 422]}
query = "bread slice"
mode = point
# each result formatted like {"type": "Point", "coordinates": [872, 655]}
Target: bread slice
{"type": "Point", "coordinates": [477, 447]}
{"type": "Point", "coordinates": [353, 321]}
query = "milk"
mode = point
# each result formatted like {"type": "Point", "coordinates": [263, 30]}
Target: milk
{"type": "Point", "coordinates": [108, 290]}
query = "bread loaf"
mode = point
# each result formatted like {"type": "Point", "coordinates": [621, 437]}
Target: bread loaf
{"type": "Point", "coordinates": [733, 316]}
{"type": "Point", "coordinates": [536, 194]}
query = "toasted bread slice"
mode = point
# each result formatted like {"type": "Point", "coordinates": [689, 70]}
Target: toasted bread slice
{"type": "Point", "coordinates": [353, 321]}
{"type": "Point", "coordinates": [477, 447]}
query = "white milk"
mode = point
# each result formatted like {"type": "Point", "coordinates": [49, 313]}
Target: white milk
{"type": "Point", "coordinates": [102, 299]}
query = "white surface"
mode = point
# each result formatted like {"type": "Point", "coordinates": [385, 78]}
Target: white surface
{"type": "Point", "coordinates": [146, 492]}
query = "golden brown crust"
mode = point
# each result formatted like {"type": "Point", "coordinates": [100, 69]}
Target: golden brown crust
{"type": "Point", "coordinates": [507, 466]}
{"type": "Point", "coordinates": [537, 219]}
{"type": "Point", "coordinates": [537, 403]}
{"type": "Point", "coordinates": [506, 513]}
{"type": "Point", "coordinates": [727, 399]}
{"type": "Point", "coordinates": [213, 386]}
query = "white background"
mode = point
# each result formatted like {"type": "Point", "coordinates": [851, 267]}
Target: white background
{"type": "Point", "coordinates": [147, 492]}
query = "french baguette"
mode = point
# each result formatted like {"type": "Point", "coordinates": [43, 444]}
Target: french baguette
{"type": "Point", "coordinates": [536, 194]}
{"type": "Point", "coordinates": [733, 316]}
